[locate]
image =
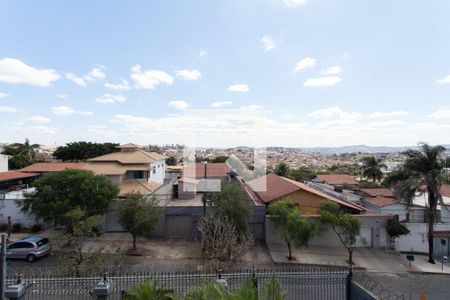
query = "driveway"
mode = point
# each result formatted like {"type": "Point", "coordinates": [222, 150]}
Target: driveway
{"type": "Point", "coordinates": [373, 260]}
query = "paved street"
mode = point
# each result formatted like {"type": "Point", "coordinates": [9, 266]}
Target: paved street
{"type": "Point", "coordinates": [411, 285]}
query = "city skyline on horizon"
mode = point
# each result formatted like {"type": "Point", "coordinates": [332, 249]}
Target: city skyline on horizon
{"type": "Point", "coordinates": [108, 72]}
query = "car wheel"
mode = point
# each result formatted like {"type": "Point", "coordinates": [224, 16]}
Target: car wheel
{"type": "Point", "coordinates": [31, 258]}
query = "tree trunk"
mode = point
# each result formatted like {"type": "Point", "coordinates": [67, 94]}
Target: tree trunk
{"type": "Point", "coordinates": [134, 242]}
{"type": "Point", "coordinates": [374, 178]}
{"type": "Point", "coordinates": [290, 250]}
{"type": "Point", "coordinates": [431, 220]}
{"type": "Point", "coordinates": [350, 257]}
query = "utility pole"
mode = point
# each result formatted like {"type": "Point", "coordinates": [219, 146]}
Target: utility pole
{"type": "Point", "coordinates": [2, 267]}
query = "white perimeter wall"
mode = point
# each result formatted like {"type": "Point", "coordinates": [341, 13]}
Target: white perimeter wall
{"type": "Point", "coordinates": [160, 173]}
{"type": "Point", "coordinates": [373, 231]}
{"type": "Point", "coordinates": [8, 207]}
{"type": "Point", "coordinates": [417, 239]}
{"type": "Point", "coordinates": [3, 163]}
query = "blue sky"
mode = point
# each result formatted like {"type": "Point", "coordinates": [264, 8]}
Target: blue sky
{"type": "Point", "coordinates": [319, 72]}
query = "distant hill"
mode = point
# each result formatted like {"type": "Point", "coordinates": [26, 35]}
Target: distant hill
{"type": "Point", "coordinates": [360, 148]}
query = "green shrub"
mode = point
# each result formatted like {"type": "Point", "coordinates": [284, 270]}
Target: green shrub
{"type": "Point", "coordinates": [149, 290]}
{"type": "Point", "coordinates": [17, 227]}
{"type": "Point", "coordinates": [36, 228]}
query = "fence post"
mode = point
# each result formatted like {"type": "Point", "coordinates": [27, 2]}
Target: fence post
{"type": "Point", "coordinates": [16, 291]}
{"type": "Point", "coordinates": [349, 283]}
{"type": "Point", "coordinates": [2, 267]}
{"type": "Point", "coordinates": [103, 288]}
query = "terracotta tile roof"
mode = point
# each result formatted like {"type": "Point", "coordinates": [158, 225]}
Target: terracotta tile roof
{"type": "Point", "coordinates": [114, 168]}
{"type": "Point", "coordinates": [52, 167]}
{"type": "Point", "coordinates": [213, 170]}
{"type": "Point", "coordinates": [15, 175]}
{"type": "Point", "coordinates": [137, 186]}
{"type": "Point", "coordinates": [337, 179]}
{"type": "Point", "coordinates": [271, 187]}
{"type": "Point", "coordinates": [137, 156]}
{"type": "Point", "coordinates": [373, 192]}
{"type": "Point", "coordinates": [129, 146]}
{"type": "Point", "coordinates": [380, 201]}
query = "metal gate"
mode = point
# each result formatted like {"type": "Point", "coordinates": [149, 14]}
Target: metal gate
{"type": "Point", "coordinates": [179, 225]}
{"type": "Point", "coordinates": [257, 231]}
{"type": "Point", "coordinates": [112, 222]}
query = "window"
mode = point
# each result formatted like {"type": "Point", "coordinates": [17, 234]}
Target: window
{"type": "Point", "coordinates": [138, 174]}
{"type": "Point", "coordinates": [154, 170]}
{"type": "Point", "coordinates": [42, 242]}
{"type": "Point", "coordinates": [20, 245]}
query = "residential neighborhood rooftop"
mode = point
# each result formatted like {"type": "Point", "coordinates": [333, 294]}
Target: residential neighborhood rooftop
{"type": "Point", "coordinates": [381, 201]}
{"type": "Point", "coordinates": [337, 179]}
{"type": "Point", "coordinates": [52, 167]}
{"type": "Point", "coordinates": [15, 175]}
{"type": "Point", "coordinates": [130, 157]}
{"type": "Point", "coordinates": [197, 170]}
{"type": "Point", "coordinates": [135, 186]}
{"type": "Point", "coordinates": [373, 192]}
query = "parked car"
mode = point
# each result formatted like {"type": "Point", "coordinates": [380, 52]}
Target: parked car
{"type": "Point", "coordinates": [29, 248]}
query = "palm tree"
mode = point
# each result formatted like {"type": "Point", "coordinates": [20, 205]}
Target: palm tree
{"type": "Point", "coordinates": [148, 290]}
{"type": "Point", "coordinates": [22, 155]}
{"type": "Point", "coordinates": [372, 167]}
{"type": "Point", "coordinates": [422, 172]}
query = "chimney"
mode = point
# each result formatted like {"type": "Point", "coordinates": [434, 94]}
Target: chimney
{"type": "Point", "coordinates": [339, 188]}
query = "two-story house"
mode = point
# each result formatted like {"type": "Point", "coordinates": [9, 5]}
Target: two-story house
{"type": "Point", "coordinates": [132, 168]}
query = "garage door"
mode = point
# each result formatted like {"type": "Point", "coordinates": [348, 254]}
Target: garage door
{"type": "Point", "coordinates": [112, 222]}
{"type": "Point", "coordinates": [179, 225]}
{"type": "Point", "coordinates": [365, 238]}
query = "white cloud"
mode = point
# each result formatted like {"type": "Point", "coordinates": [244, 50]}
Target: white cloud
{"type": "Point", "coordinates": [122, 86]}
{"type": "Point", "coordinates": [294, 3]}
{"type": "Point", "coordinates": [109, 99]}
{"type": "Point", "coordinates": [322, 81]}
{"type": "Point", "coordinates": [268, 43]}
{"type": "Point", "coordinates": [68, 111]}
{"type": "Point", "coordinates": [62, 96]}
{"type": "Point", "coordinates": [178, 104]}
{"type": "Point", "coordinates": [307, 62]}
{"type": "Point", "coordinates": [40, 119]}
{"type": "Point", "coordinates": [332, 70]}
{"type": "Point", "coordinates": [8, 109]}
{"type": "Point", "coordinates": [221, 104]}
{"type": "Point", "coordinates": [3, 95]}
{"type": "Point", "coordinates": [149, 79]}
{"type": "Point", "coordinates": [93, 75]}
{"type": "Point", "coordinates": [334, 111]}
{"type": "Point", "coordinates": [240, 88]}
{"type": "Point", "coordinates": [445, 80]}
{"type": "Point", "coordinates": [189, 74]}
{"type": "Point", "coordinates": [202, 53]}
{"type": "Point", "coordinates": [380, 114]}
{"type": "Point", "coordinates": [441, 113]}
{"type": "Point", "coordinates": [15, 71]}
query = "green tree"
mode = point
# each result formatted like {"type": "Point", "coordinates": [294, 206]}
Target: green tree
{"type": "Point", "coordinates": [346, 227]}
{"type": "Point", "coordinates": [232, 203]}
{"type": "Point", "coordinates": [423, 171]}
{"type": "Point", "coordinates": [139, 215]}
{"type": "Point", "coordinates": [396, 229]}
{"type": "Point", "coordinates": [59, 192]}
{"type": "Point", "coordinates": [171, 161]}
{"type": "Point", "coordinates": [282, 169]}
{"type": "Point", "coordinates": [22, 155]}
{"type": "Point", "coordinates": [371, 168]}
{"type": "Point", "coordinates": [149, 290]}
{"type": "Point", "coordinates": [220, 159]}
{"type": "Point", "coordinates": [79, 151]}
{"type": "Point", "coordinates": [295, 230]}
{"type": "Point", "coordinates": [302, 174]}
{"type": "Point", "coordinates": [74, 260]}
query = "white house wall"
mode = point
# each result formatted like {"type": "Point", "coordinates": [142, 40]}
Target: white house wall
{"type": "Point", "coordinates": [8, 207]}
{"type": "Point", "coordinates": [417, 239]}
{"type": "Point", "coordinates": [3, 163]}
{"type": "Point", "coordinates": [159, 172]}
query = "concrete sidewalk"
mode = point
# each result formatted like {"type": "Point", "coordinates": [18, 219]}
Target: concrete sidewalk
{"type": "Point", "coordinates": [374, 260]}
{"type": "Point", "coordinates": [421, 265]}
